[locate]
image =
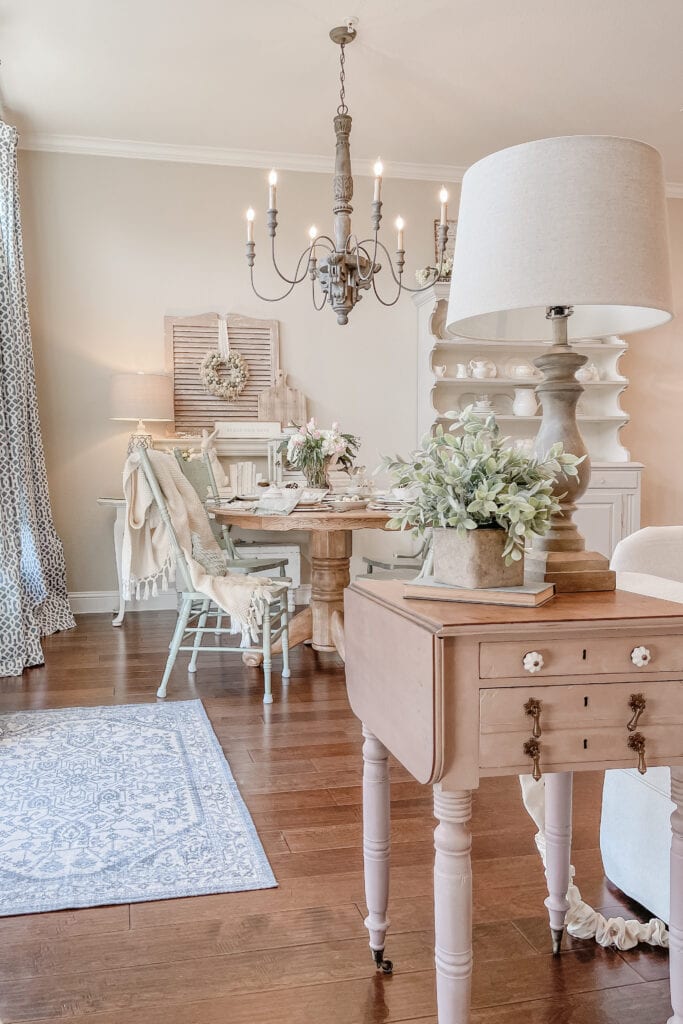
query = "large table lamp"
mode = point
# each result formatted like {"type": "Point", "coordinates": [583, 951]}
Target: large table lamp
{"type": "Point", "coordinates": [562, 238]}
{"type": "Point", "coordinates": [142, 398]}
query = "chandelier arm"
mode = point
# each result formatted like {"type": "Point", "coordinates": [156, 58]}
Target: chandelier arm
{"type": "Point", "coordinates": [264, 298]}
{"type": "Point", "coordinates": [296, 279]}
{"type": "Point", "coordinates": [404, 287]}
{"type": "Point", "coordinates": [317, 307]}
{"type": "Point", "coordinates": [358, 248]}
{"type": "Point", "coordinates": [325, 238]}
{"type": "Point", "coordinates": [384, 301]}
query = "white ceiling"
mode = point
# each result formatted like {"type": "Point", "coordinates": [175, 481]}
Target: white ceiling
{"type": "Point", "coordinates": [430, 82]}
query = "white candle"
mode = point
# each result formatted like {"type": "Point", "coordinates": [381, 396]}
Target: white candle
{"type": "Point", "coordinates": [400, 224]}
{"type": "Point", "coordinates": [312, 233]}
{"type": "Point", "coordinates": [272, 190]}
{"type": "Point", "coordinates": [443, 198]}
{"type": "Point", "coordinates": [378, 169]}
{"type": "Point", "coordinates": [250, 224]}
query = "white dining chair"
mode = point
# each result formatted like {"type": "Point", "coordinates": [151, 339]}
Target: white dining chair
{"type": "Point", "coordinates": [196, 610]}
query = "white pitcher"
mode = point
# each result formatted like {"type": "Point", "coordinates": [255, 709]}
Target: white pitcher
{"type": "Point", "coordinates": [525, 403]}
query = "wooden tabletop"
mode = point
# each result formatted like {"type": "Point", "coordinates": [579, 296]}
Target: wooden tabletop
{"type": "Point", "coordinates": [610, 606]}
{"type": "Point", "coordinates": [361, 519]}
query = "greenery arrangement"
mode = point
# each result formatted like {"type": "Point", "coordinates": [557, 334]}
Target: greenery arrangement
{"type": "Point", "coordinates": [426, 274]}
{"type": "Point", "coordinates": [469, 477]}
{"type": "Point", "coordinates": [315, 451]}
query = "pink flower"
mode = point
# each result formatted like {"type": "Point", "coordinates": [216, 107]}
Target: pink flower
{"type": "Point", "coordinates": [310, 426]}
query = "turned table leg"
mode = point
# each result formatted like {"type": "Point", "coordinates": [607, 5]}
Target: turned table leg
{"type": "Point", "coordinates": [376, 844]}
{"type": "Point", "coordinates": [676, 912]}
{"type": "Point", "coordinates": [330, 574]}
{"type": "Point", "coordinates": [558, 848]}
{"type": "Point", "coordinates": [453, 905]}
{"type": "Point", "coordinates": [119, 525]}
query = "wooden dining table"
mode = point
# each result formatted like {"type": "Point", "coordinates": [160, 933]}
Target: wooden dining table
{"type": "Point", "coordinates": [322, 623]}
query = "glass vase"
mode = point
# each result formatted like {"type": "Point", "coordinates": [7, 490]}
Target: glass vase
{"type": "Point", "coordinates": [317, 476]}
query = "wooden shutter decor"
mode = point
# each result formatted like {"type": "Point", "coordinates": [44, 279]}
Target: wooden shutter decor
{"type": "Point", "coordinates": [189, 338]}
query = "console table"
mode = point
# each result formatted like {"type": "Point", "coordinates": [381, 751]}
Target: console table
{"type": "Point", "coordinates": [457, 692]}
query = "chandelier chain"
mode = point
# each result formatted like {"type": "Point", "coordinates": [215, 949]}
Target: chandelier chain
{"type": "Point", "coordinates": [342, 108]}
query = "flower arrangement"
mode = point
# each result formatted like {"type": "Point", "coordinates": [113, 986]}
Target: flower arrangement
{"type": "Point", "coordinates": [315, 451]}
{"type": "Point", "coordinates": [426, 274]}
{"type": "Point", "coordinates": [224, 376]}
{"type": "Point", "coordinates": [469, 477]}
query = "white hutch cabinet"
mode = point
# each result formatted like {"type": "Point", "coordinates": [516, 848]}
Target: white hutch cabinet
{"type": "Point", "coordinates": [610, 508]}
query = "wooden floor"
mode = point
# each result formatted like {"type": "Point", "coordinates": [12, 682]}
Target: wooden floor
{"type": "Point", "coordinates": [298, 954]}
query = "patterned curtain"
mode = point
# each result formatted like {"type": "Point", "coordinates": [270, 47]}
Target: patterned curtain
{"type": "Point", "coordinates": [33, 598]}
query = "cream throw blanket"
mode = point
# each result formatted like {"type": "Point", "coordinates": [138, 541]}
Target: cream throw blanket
{"type": "Point", "coordinates": [148, 560]}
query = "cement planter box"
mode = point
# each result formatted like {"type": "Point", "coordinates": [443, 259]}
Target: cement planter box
{"type": "Point", "coordinates": [474, 560]}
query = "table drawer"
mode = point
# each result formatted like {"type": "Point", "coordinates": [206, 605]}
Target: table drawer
{"type": "Point", "coordinates": [591, 657]}
{"type": "Point", "coordinates": [614, 479]}
{"type": "Point", "coordinates": [579, 746]}
{"type": "Point", "coordinates": [577, 706]}
{"type": "Point", "coordinates": [579, 723]}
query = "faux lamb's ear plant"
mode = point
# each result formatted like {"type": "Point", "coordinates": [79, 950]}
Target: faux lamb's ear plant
{"type": "Point", "coordinates": [469, 477]}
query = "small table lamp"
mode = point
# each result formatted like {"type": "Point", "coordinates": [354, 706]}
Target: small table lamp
{"type": "Point", "coordinates": [142, 397]}
{"type": "Point", "coordinates": [564, 237]}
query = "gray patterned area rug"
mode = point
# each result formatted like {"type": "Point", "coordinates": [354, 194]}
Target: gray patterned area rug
{"type": "Point", "coordinates": [120, 805]}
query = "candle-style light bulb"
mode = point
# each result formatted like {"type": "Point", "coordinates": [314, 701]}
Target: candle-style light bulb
{"type": "Point", "coordinates": [443, 199]}
{"type": "Point", "coordinates": [313, 232]}
{"type": "Point", "coordinates": [272, 190]}
{"type": "Point", "coordinates": [250, 224]}
{"type": "Point", "coordinates": [378, 169]}
{"type": "Point", "coordinates": [400, 224]}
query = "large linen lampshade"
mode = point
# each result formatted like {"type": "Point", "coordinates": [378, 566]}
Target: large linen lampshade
{"type": "Point", "coordinates": [563, 238]}
{"type": "Point", "coordinates": [143, 397]}
{"type": "Point", "coordinates": [579, 220]}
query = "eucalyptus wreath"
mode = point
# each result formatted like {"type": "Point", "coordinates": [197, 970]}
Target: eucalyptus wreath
{"type": "Point", "coordinates": [224, 376]}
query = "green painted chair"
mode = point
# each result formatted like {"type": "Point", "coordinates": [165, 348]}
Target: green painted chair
{"type": "Point", "coordinates": [196, 610]}
{"type": "Point", "coordinates": [199, 473]}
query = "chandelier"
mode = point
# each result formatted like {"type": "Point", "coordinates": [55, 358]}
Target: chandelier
{"type": "Point", "coordinates": [343, 267]}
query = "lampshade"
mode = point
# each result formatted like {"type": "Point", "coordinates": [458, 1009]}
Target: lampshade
{"type": "Point", "coordinates": [575, 221]}
{"type": "Point", "coordinates": [141, 396]}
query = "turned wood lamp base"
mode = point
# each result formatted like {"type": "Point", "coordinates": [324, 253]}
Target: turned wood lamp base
{"type": "Point", "coordinates": [559, 557]}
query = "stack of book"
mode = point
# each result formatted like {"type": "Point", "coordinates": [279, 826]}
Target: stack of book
{"type": "Point", "coordinates": [530, 595]}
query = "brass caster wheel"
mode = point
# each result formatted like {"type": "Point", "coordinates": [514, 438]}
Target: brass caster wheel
{"type": "Point", "coordinates": [385, 966]}
{"type": "Point", "coordinates": [557, 934]}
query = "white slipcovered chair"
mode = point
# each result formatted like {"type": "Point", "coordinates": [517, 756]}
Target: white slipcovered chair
{"type": "Point", "coordinates": [635, 832]}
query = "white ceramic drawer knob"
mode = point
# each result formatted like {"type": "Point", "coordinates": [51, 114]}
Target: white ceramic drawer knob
{"type": "Point", "coordinates": [533, 662]}
{"type": "Point", "coordinates": [640, 656]}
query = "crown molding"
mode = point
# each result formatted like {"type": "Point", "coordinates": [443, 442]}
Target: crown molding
{"type": "Point", "coordinates": [82, 145]}
{"type": "Point", "coordinates": [128, 149]}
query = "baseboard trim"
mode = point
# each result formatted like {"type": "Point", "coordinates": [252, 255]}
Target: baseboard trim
{"type": "Point", "coordinates": [96, 602]}
{"type": "Point", "coordinates": [93, 602]}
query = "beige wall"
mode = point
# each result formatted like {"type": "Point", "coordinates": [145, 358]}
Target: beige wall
{"type": "Point", "coordinates": [113, 245]}
{"type": "Point", "coordinates": [654, 364]}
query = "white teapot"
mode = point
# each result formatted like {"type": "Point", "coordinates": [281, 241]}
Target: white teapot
{"type": "Point", "coordinates": [521, 369]}
{"type": "Point", "coordinates": [481, 369]}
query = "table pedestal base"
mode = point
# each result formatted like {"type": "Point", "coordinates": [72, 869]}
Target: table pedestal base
{"type": "Point", "coordinates": [323, 622]}
{"type": "Point", "coordinates": [330, 574]}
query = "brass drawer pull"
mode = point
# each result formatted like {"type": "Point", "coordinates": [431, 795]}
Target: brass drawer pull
{"type": "Point", "coordinates": [533, 662]}
{"type": "Point", "coordinates": [533, 709]}
{"type": "Point", "coordinates": [641, 656]}
{"type": "Point", "coordinates": [532, 749]}
{"type": "Point", "coordinates": [637, 704]}
{"type": "Point", "coordinates": [636, 742]}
